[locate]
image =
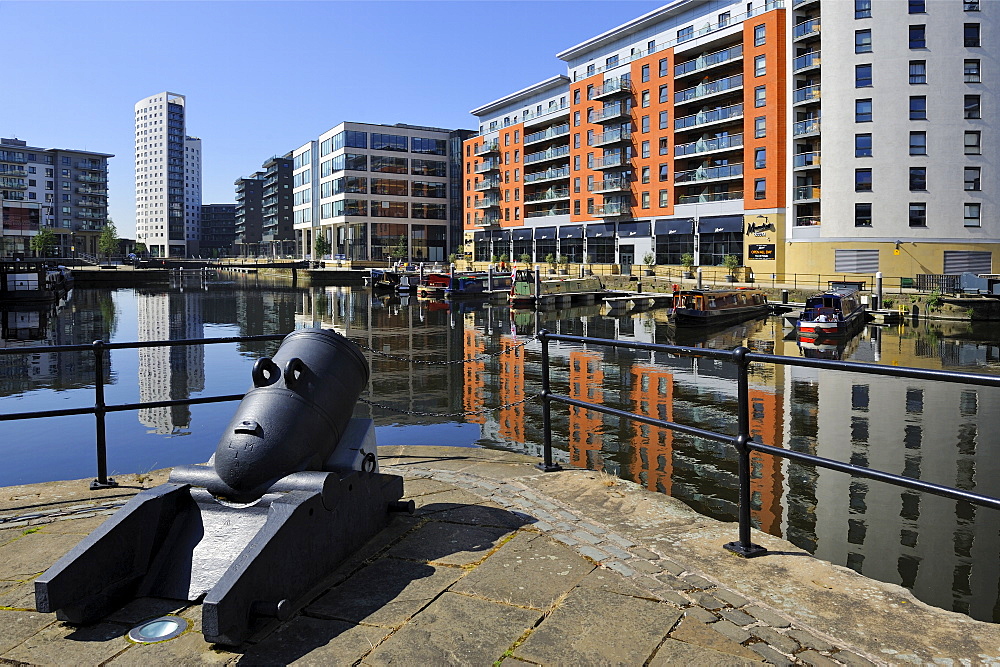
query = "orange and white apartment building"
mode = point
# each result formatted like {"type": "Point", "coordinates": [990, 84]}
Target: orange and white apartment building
{"type": "Point", "coordinates": [803, 136]}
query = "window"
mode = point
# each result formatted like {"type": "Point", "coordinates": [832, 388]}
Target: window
{"type": "Point", "coordinates": [645, 200]}
{"type": "Point", "coordinates": [645, 149]}
{"type": "Point", "coordinates": [972, 106]}
{"type": "Point", "coordinates": [664, 146]}
{"type": "Point", "coordinates": [973, 215]}
{"type": "Point", "coordinates": [684, 34]}
{"type": "Point", "coordinates": [918, 179]}
{"type": "Point", "coordinates": [759, 65]}
{"type": "Point", "coordinates": [862, 41]}
{"type": "Point", "coordinates": [611, 61]}
{"type": "Point", "coordinates": [760, 188]}
{"type": "Point", "coordinates": [651, 46]}
{"type": "Point", "coordinates": [664, 94]}
{"type": "Point", "coordinates": [664, 70]}
{"type": "Point", "coordinates": [862, 9]}
{"type": "Point", "coordinates": [760, 158]}
{"type": "Point", "coordinates": [862, 145]}
{"type": "Point", "coordinates": [576, 140]}
{"type": "Point", "coordinates": [576, 185]}
{"type": "Point", "coordinates": [724, 18]}
{"type": "Point", "coordinates": [645, 72]}
{"type": "Point", "coordinates": [863, 76]}
{"type": "Point", "coordinates": [664, 120]}
{"type": "Point", "coordinates": [918, 71]}
{"type": "Point", "coordinates": [972, 175]}
{"type": "Point", "coordinates": [972, 71]}
{"type": "Point", "coordinates": [760, 127]}
{"type": "Point", "coordinates": [862, 215]}
{"type": "Point", "coordinates": [973, 140]}
{"type": "Point", "coordinates": [576, 96]}
{"type": "Point", "coordinates": [918, 6]}
{"type": "Point", "coordinates": [862, 180]}
{"type": "Point", "coordinates": [918, 37]}
{"type": "Point", "coordinates": [970, 5]}
{"type": "Point", "coordinates": [918, 143]}
{"type": "Point", "coordinates": [760, 96]}
{"type": "Point", "coordinates": [918, 107]}
{"type": "Point", "coordinates": [591, 69]}
{"type": "Point", "coordinates": [664, 199]}
{"type": "Point", "coordinates": [918, 214]}
{"type": "Point", "coordinates": [576, 163]}
{"type": "Point", "coordinates": [863, 111]}
{"type": "Point", "coordinates": [576, 119]}
{"type": "Point", "coordinates": [972, 34]}
{"type": "Point", "coordinates": [645, 174]}
{"type": "Point", "coordinates": [664, 172]}
{"type": "Point", "coordinates": [645, 123]}
{"type": "Point", "coordinates": [645, 98]}
{"type": "Point", "coordinates": [759, 35]}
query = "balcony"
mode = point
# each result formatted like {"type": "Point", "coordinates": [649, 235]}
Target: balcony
{"type": "Point", "coordinates": [90, 215]}
{"type": "Point", "coordinates": [13, 173]}
{"type": "Point", "coordinates": [487, 166]}
{"type": "Point", "coordinates": [612, 209]}
{"type": "Point", "coordinates": [92, 202]}
{"type": "Point", "coordinates": [488, 148]}
{"type": "Point", "coordinates": [806, 94]}
{"type": "Point", "coordinates": [490, 220]}
{"type": "Point", "coordinates": [92, 166]}
{"type": "Point", "coordinates": [11, 195]}
{"type": "Point", "coordinates": [486, 202]}
{"type": "Point", "coordinates": [10, 184]}
{"type": "Point", "coordinates": [90, 178]}
{"type": "Point", "coordinates": [611, 185]}
{"type": "Point", "coordinates": [551, 133]}
{"type": "Point", "coordinates": [798, 3]}
{"type": "Point", "coordinates": [806, 192]}
{"type": "Point", "coordinates": [807, 221]}
{"type": "Point", "coordinates": [7, 156]}
{"type": "Point", "coordinates": [544, 116]}
{"type": "Point", "coordinates": [708, 117]}
{"type": "Point", "coordinates": [612, 137]}
{"type": "Point", "coordinates": [547, 175]}
{"type": "Point", "coordinates": [710, 196]}
{"type": "Point", "coordinates": [612, 87]}
{"type": "Point", "coordinates": [552, 194]}
{"type": "Point", "coordinates": [550, 154]}
{"type": "Point", "coordinates": [608, 113]}
{"type": "Point", "coordinates": [556, 210]}
{"type": "Point", "coordinates": [707, 89]}
{"type": "Point", "coordinates": [805, 29]}
{"type": "Point", "coordinates": [488, 184]}
{"type": "Point", "coordinates": [806, 160]}
{"type": "Point", "coordinates": [709, 145]}
{"type": "Point", "coordinates": [806, 61]}
{"type": "Point", "coordinates": [609, 161]}
{"type": "Point", "coordinates": [709, 173]}
{"type": "Point", "coordinates": [804, 127]}
{"type": "Point", "coordinates": [703, 62]}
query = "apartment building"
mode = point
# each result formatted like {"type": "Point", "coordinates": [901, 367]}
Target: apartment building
{"type": "Point", "coordinates": [699, 128]}
{"type": "Point", "coordinates": [218, 229]}
{"type": "Point", "coordinates": [167, 178]}
{"type": "Point", "coordinates": [249, 214]}
{"type": "Point", "coordinates": [276, 207]}
{"type": "Point", "coordinates": [62, 190]}
{"type": "Point", "coordinates": [379, 192]}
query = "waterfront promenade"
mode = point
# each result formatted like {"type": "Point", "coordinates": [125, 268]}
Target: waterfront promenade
{"type": "Point", "coordinates": [502, 562]}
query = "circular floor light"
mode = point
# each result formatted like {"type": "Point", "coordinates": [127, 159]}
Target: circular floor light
{"type": "Point", "coordinates": [158, 630]}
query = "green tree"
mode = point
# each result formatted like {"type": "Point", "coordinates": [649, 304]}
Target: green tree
{"type": "Point", "coordinates": [109, 241]}
{"type": "Point", "coordinates": [399, 251]}
{"type": "Point", "coordinates": [321, 246]}
{"type": "Point", "coordinates": [43, 242]}
{"type": "Point", "coordinates": [140, 248]}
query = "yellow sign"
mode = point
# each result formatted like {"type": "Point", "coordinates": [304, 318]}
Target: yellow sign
{"type": "Point", "coordinates": [895, 251]}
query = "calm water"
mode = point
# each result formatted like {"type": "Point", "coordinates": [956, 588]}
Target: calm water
{"type": "Point", "coordinates": [946, 552]}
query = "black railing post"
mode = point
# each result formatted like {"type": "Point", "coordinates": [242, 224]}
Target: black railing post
{"type": "Point", "coordinates": [100, 409]}
{"type": "Point", "coordinates": [744, 547]}
{"type": "Point", "coordinates": [547, 464]}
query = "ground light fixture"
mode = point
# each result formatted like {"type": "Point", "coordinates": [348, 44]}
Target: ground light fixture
{"type": "Point", "coordinates": [159, 629]}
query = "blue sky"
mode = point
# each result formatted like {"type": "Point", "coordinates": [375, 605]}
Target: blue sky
{"type": "Point", "coordinates": [262, 78]}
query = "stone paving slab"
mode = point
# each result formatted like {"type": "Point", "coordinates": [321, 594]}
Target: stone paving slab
{"type": "Point", "coordinates": [448, 543]}
{"type": "Point", "coordinates": [673, 652]}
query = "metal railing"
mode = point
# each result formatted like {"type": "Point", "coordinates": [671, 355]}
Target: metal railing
{"type": "Point", "coordinates": [101, 408]}
{"type": "Point", "coordinates": [742, 441]}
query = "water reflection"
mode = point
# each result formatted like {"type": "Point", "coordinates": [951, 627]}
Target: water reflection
{"type": "Point", "coordinates": [442, 370]}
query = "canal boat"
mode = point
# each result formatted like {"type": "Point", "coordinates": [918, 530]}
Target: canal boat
{"type": "Point", "coordinates": [445, 285]}
{"type": "Point", "coordinates": [522, 290]}
{"type": "Point", "coordinates": [836, 312]}
{"type": "Point", "coordinates": [710, 307]}
{"type": "Point", "coordinates": [33, 281]}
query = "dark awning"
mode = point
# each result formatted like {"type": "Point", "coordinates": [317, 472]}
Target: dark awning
{"type": "Point", "coordinates": [679, 226]}
{"type": "Point", "coordinates": [601, 229]}
{"type": "Point", "coordinates": [478, 237]}
{"type": "Point", "coordinates": [501, 235]}
{"type": "Point", "coordinates": [571, 232]}
{"type": "Point", "coordinates": [721, 224]}
{"type": "Point", "coordinates": [545, 233]}
{"type": "Point", "coordinates": [631, 229]}
{"type": "Point", "coordinates": [522, 234]}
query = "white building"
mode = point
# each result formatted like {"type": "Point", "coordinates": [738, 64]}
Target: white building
{"type": "Point", "coordinates": [167, 178]}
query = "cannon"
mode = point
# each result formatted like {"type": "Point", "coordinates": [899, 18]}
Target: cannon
{"type": "Point", "coordinates": [292, 490]}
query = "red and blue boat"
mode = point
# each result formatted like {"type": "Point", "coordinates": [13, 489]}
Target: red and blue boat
{"type": "Point", "coordinates": [834, 313]}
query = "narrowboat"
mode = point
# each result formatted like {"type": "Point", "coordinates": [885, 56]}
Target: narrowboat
{"type": "Point", "coordinates": [836, 312]}
{"type": "Point", "coordinates": [522, 290]}
{"type": "Point", "coordinates": [33, 281]}
{"type": "Point", "coordinates": [438, 285]}
{"type": "Point", "coordinates": [707, 307]}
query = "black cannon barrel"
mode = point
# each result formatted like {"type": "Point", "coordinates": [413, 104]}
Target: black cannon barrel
{"type": "Point", "coordinates": [294, 415]}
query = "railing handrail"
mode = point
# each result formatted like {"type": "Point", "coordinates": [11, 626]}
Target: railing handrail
{"type": "Point", "coordinates": [743, 441]}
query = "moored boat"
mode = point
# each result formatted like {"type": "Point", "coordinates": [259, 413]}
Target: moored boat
{"type": "Point", "coordinates": [522, 291]}
{"type": "Point", "coordinates": [705, 307]}
{"type": "Point", "coordinates": [836, 312]}
{"type": "Point", "coordinates": [33, 281]}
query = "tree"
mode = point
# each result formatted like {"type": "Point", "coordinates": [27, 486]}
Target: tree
{"type": "Point", "coordinates": [399, 252]}
{"type": "Point", "coordinates": [140, 248]}
{"type": "Point", "coordinates": [109, 241]}
{"type": "Point", "coordinates": [321, 246]}
{"type": "Point", "coordinates": [43, 242]}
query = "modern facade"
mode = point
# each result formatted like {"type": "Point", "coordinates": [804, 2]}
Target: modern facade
{"type": "Point", "coordinates": [62, 190]}
{"type": "Point", "coordinates": [218, 229]}
{"type": "Point", "coordinates": [700, 128]}
{"type": "Point", "coordinates": [379, 192]}
{"type": "Point", "coordinates": [167, 178]}
{"type": "Point", "coordinates": [276, 202]}
{"type": "Point", "coordinates": [249, 214]}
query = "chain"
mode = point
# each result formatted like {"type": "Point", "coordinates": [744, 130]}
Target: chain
{"type": "Point", "coordinates": [478, 357]}
{"type": "Point", "coordinates": [484, 411]}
